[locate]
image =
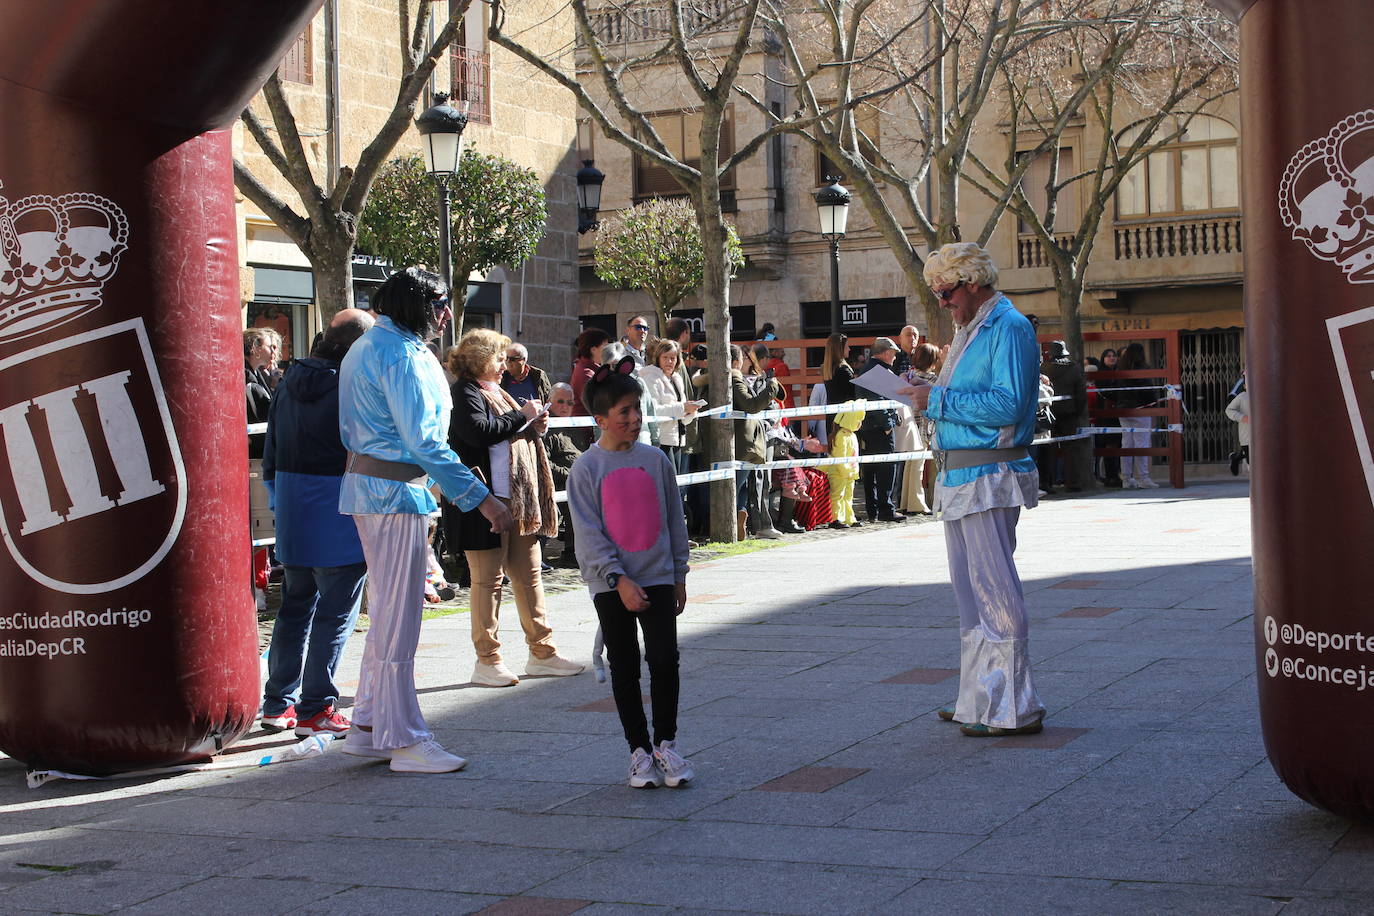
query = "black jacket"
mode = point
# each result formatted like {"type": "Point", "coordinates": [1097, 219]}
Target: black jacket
{"type": "Point", "coordinates": [473, 429]}
{"type": "Point", "coordinates": [562, 454]}
{"type": "Point", "coordinates": [876, 423]}
{"type": "Point", "coordinates": [259, 397]}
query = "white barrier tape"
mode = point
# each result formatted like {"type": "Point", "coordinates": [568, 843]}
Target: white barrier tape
{"type": "Point", "coordinates": [789, 412]}
{"type": "Point", "coordinates": [683, 480]}
{"type": "Point", "coordinates": [1172, 392]}
{"type": "Point", "coordinates": [1118, 430]}
{"type": "Point", "coordinates": [822, 462]}
{"type": "Point", "coordinates": [256, 428]}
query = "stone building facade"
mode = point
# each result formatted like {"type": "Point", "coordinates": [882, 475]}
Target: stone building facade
{"type": "Point", "coordinates": [1167, 256]}
{"type": "Point", "coordinates": [513, 110]}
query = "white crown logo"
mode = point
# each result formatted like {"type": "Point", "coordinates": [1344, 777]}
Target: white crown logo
{"type": "Point", "coordinates": [55, 255]}
{"type": "Point", "coordinates": [1327, 196]}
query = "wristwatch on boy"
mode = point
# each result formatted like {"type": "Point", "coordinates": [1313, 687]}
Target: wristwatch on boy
{"type": "Point", "coordinates": [612, 579]}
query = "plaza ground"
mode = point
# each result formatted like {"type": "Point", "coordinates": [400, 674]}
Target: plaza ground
{"type": "Point", "coordinates": [825, 782]}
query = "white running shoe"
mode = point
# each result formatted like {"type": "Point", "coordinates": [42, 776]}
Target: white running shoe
{"type": "Point", "coordinates": [674, 767]}
{"type": "Point", "coordinates": [643, 772]}
{"type": "Point", "coordinates": [359, 744]}
{"type": "Point", "coordinates": [770, 534]}
{"type": "Point", "coordinates": [497, 675]}
{"type": "Point", "coordinates": [1146, 483]}
{"type": "Point", "coordinates": [1129, 483]}
{"type": "Point", "coordinates": [428, 756]}
{"type": "Point", "coordinates": [553, 666]}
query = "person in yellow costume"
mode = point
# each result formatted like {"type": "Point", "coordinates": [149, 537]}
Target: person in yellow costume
{"type": "Point", "coordinates": [844, 444]}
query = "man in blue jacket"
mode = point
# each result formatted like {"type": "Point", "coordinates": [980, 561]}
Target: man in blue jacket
{"type": "Point", "coordinates": [322, 587]}
{"type": "Point", "coordinates": [394, 410]}
{"type": "Point", "coordinates": [983, 405]}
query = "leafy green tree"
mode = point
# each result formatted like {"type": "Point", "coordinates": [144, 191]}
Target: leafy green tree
{"type": "Point", "coordinates": [497, 208]}
{"type": "Point", "coordinates": [656, 247]}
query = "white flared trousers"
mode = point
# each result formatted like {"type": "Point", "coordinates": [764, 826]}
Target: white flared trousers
{"type": "Point", "coordinates": [396, 548]}
{"type": "Point", "coordinates": [995, 685]}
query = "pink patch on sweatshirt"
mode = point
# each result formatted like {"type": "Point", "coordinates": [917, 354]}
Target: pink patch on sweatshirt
{"type": "Point", "coordinates": [629, 500]}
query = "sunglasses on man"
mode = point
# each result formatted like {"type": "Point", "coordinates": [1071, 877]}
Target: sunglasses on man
{"type": "Point", "coordinates": [640, 327]}
{"type": "Point", "coordinates": [944, 295]}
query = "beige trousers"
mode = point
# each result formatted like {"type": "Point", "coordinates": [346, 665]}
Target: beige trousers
{"type": "Point", "coordinates": [519, 557]}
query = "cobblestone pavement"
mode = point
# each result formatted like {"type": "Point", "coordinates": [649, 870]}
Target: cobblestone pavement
{"type": "Point", "coordinates": [825, 782]}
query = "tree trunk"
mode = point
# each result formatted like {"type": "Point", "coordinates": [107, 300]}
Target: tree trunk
{"type": "Point", "coordinates": [1068, 285]}
{"type": "Point", "coordinates": [715, 300]}
{"type": "Point", "coordinates": [333, 266]}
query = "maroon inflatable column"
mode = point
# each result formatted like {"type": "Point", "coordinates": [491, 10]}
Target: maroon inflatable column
{"type": "Point", "coordinates": [127, 633]}
{"type": "Point", "coordinates": [1308, 120]}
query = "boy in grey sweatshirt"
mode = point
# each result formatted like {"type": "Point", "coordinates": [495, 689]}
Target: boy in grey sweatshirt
{"type": "Point", "coordinates": [632, 550]}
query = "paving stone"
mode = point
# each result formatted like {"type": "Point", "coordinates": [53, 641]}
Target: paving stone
{"type": "Point", "coordinates": [764, 887]}
{"type": "Point", "coordinates": [237, 897]}
{"type": "Point", "coordinates": [368, 901]}
{"type": "Point", "coordinates": [986, 895]}
{"type": "Point", "coordinates": [94, 888]}
{"type": "Point", "coordinates": [821, 845]}
{"type": "Point", "coordinates": [534, 906]}
{"type": "Point", "coordinates": [923, 676]}
{"type": "Point", "coordinates": [810, 779]}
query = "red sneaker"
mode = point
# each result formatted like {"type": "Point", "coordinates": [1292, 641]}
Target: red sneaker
{"type": "Point", "coordinates": [327, 721]}
{"type": "Point", "coordinates": [281, 721]}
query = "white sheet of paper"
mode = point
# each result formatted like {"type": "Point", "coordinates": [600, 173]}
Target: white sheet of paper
{"type": "Point", "coordinates": [883, 381]}
{"type": "Point", "coordinates": [535, 419]}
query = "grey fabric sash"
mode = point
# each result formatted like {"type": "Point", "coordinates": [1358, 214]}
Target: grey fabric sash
{"type": "Point", "coordinates": [387, 470]}
{"type": "Point", "coordinates": [972, 457]}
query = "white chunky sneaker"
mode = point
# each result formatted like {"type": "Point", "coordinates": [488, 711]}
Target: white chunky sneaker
{"type": "Point", "coordinates": [428, 756]}
{"type": "Point", "coordinates": [643, 773]}
{"type": "Point", "coordinates": [497, 675]}
{"type": "Point", "coordinates": [1129, 484]}
{"type": "Point", "coordinates": [1146, 483]}
{"type": "Point", "coordinates": [771, 534]}
{"type": "Point", "coordinates": [674, 767]}
{"type": "Point", "coordinates": [359, 744]}
{"type": "Point", "coordinates": [553, 666]}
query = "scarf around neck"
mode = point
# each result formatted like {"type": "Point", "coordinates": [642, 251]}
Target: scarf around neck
{"type": "Point", "coordinates": [531, 477]}
{"type": "Point", "coordinates": [962, 336]}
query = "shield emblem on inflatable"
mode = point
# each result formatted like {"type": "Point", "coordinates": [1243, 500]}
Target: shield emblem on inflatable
{"type": "Point", "coordinates": [1352, 339]}
{"type": "Point", "coordinates": [91, 458]}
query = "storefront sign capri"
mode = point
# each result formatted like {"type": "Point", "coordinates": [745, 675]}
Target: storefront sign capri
{"type": "Point", "coordinates": [128, 637]}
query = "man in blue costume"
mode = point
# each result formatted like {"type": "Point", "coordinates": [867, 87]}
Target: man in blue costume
{"type": "Point", "coordinates": [394, 407]}
{"type": "Point", "coordinates": [983, 405]}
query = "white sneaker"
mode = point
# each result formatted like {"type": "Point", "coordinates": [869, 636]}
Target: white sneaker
{"type": "Point", "coordinates": [1146, 483]}
{"type": "Point", "coordinates": [671, 764]}
{"type": "Point", "coordinates": [553, 666]}
{"type": "Point", "coordinates": [428, 756]}
{"type": "Point", "coordinates": [260, 599]}
{"type": "Point", "coordinates": [359, 744]}
{"type": "Point", "coordinates": [771, 534]}
{"type": "Point", "coordinates": [643, 772]}
{"type": "Point", "coordinates": [497, 675]}
{"type": "Point", "coordinates": [1129, 483]}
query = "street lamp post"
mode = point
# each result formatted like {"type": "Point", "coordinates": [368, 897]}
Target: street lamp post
{"type": "Point", "coordinates": [441, 133]}
{"type": "Point", "coordinates": [832, 202]}
{"type": "Point", "coordinates": [589, 179]}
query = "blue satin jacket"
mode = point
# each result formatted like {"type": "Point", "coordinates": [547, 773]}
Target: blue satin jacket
{"type": "Point", "coordinates": [991, 398]}
{"type": "Point", "coordinates": [394, 404]}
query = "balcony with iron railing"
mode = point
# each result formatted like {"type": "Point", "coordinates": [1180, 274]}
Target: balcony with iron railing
{"type": "Point", "coordinates": [472, 83]}
{"type": "Point", "coordinates": [1178, 238]}
{"type": "Point", "coordinates": [633, 22]}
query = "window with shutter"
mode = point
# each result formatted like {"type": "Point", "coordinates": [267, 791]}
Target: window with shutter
{"type": "Point", "coordinates": [681, 132]}
{"type": "Point", "coordinates": [298, 66]}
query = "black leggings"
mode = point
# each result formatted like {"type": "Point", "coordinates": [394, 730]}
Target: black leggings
{"type": "Point", "coordinates": [659, 623]}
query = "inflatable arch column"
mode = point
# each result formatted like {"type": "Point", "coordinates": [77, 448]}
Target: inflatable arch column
{"type": "Point", "coordinates": [127, 632]}
{"type": "Point", "coordinates": [1307, 86]}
